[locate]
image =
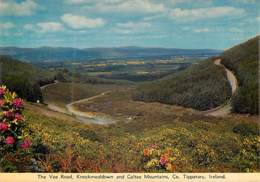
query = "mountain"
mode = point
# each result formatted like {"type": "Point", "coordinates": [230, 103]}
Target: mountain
{"type": "Point", "coordinates": [204, 86]}
{"type": "Point", "coordinates": [23, 78]}
{"type": "Point", "coordinates": [74, 54]}
{"type": "Point", "coordinates": [243, 61]}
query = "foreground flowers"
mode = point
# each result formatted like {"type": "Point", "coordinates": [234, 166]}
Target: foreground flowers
{"type": "Point", "coordinates": [156, 159]}
{"type": "Point", "coordinates": [12, 127]}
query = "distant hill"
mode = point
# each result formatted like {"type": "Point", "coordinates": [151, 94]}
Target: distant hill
{"type": "Point", "coordinates": [23, 78]}
{"type": "Point", "coordinates": [73, 54]}
{"type": "Point", "coordinates": [243, 60]}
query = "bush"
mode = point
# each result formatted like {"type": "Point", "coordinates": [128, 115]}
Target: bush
{"type": "Point", "coordinates": [25, 88]}
{"type": "Point", "coordinates": [246, 129]}
{"type": "Point", "coordinates": [13, 134]}
{"type": "Point", "coordinates": [248, 159]}
{"type": "Point", "coordinates": [156, 159]}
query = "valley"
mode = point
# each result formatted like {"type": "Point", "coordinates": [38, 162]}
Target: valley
{"type": "Point", "coordinates": [106, 116]}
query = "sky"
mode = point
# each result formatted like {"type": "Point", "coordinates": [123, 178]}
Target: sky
{"type": "Point", "coordinates": [194, 24]}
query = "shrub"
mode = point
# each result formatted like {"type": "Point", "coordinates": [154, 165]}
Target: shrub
{"type": "Point", "coordinates": [248, 159]}
{"type": "Point", "coordinates": [204, 155]}
{"type": "Point", "coordinates": [156, 159]}
{"type": "Point", "coordinates": [246, 129]}
{"type": "Point", "coordinates": [13, 137]}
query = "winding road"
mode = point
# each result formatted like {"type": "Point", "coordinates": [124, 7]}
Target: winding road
{"type": "Point", "coordinates": [103, 119]}
{"type": "Point", "coordinates": [51, 106]}
{"type": "Point", "coordinates": [88, 117]}
{"type": "Point", "coordinates": [224, 109]}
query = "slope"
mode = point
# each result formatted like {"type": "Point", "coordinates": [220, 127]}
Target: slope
{"type": "Point", "coordinates": [23, 78]}
{"type": "Point", "coordinates": [202, 86]}
{"type": "Point", "coordinates": [243, 61]}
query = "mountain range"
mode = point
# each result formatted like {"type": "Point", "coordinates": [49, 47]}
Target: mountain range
{"type": "Point", "coordinates": [48, 54]}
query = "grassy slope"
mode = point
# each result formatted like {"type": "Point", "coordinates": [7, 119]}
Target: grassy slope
{"type": "Point", "coordinates": [15, 67]}
{"type": "Point", "coordinates": [205, 144]}
{"type": "Point", "coordinates": [23, 78]}
{"type": "Point", "coordinates": [243, 60]}
{"type": "Point", "coordinates": [202, 86]}
{"type": "Point", "coordinates": [63, 93]}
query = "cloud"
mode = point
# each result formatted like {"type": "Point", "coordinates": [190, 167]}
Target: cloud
{"type": "Point", "coordinates": [245, 1]}
{"type": "Point", "coordinates": [134, 25]}
{"type": "Point", "coordinates": [29, 27]}
{"type": "Point", "coordinates": [49, 27]}
{"type": "Point", "coordinates": [81, 22]}
{"type": "Point", "coordinates": [79, 2]}
{"type": "Point", "coordinates": [128, 6]}
{"type": "Point", "coordinates": [13, 8]}
{"type": "Point", "coordinates": [6, 26]}
{"type": "Point", "coordinates": [190, 1]}
{"type": "Point", "coordinates": [236, 30]}
{"type": "Point", "coordinates": [131, 27]}
{"type": "Point", "coordinates": [204, 13]}
{"type": "Point", "coordinates": [76, 2]}
{"type": "Point", "coordinates": [44, 27]}
{"type": "Point", "coordinates": [202, 30]}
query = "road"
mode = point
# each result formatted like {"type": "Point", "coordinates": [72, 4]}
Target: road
{"type": "Point", "coordinates": [224, 109]}
{"type": "Point", "coordinates": [55, 82]}
{"type": "Point", "coordinates": [99, 118]}
{"type": "Point", "coordinates": [89, 116]}
{"type": "Point", "coordinates": [51, 106]}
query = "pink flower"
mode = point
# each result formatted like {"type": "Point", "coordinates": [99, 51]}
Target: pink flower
{"type": "Point", "coordinates": [154, 146]}
{"type": "Point", "coordinates": [1, 102]}
{"type": "Point", "coordinates": [18, 117]}
{"type": "Point", "coordinates": [2, 91]}
{"type": "Point", "coordinates": [26, 144]}
{"type": "Point", "coordinates": [18, 103]}
{"type": "Point", "coordinates": [4, 126]}
{"type": "Point", "coordinates": [163, 160]}
{"type": "Point", "coordinates": [9, 114]}
{"type": "Point", "coordinates": [9, 140]}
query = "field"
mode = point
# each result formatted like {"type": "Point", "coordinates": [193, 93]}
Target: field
{"type": "Point", "coordinates": [131, 70]}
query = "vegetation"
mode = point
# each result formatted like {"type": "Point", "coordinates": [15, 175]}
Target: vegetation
{"type": "Point", "coordinates": [23, 78]}
{"type": "Point", "coordinates": [180, 143]}
{"type": "Point", "coordinates": [201, 86]}
{"type": "Point", "coordinates": [243, 60]}
{"type": "Point", "coordinates": [13, 134]}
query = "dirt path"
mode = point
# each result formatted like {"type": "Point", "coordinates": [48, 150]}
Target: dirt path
{"type": "Point", "coordinates": [55, 82]}
{"type": "Point", "coordinates": [52, 106]}
{"type": "Point", "coordinates": [89, 116]}
{"type": "Point", "coordinates": [224, 109]}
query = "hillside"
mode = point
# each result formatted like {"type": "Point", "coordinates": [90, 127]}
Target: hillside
{"type": "Point", "coordinates": [243, 60]}
{"type": "Point", "coordinates": [199, 143]}
{"type": "Point", "coordinates": [23, 78]}
{"type": "Point", "coordinates": [69, 54]}
{"type": "Point", "coordinates": [202, 86]}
